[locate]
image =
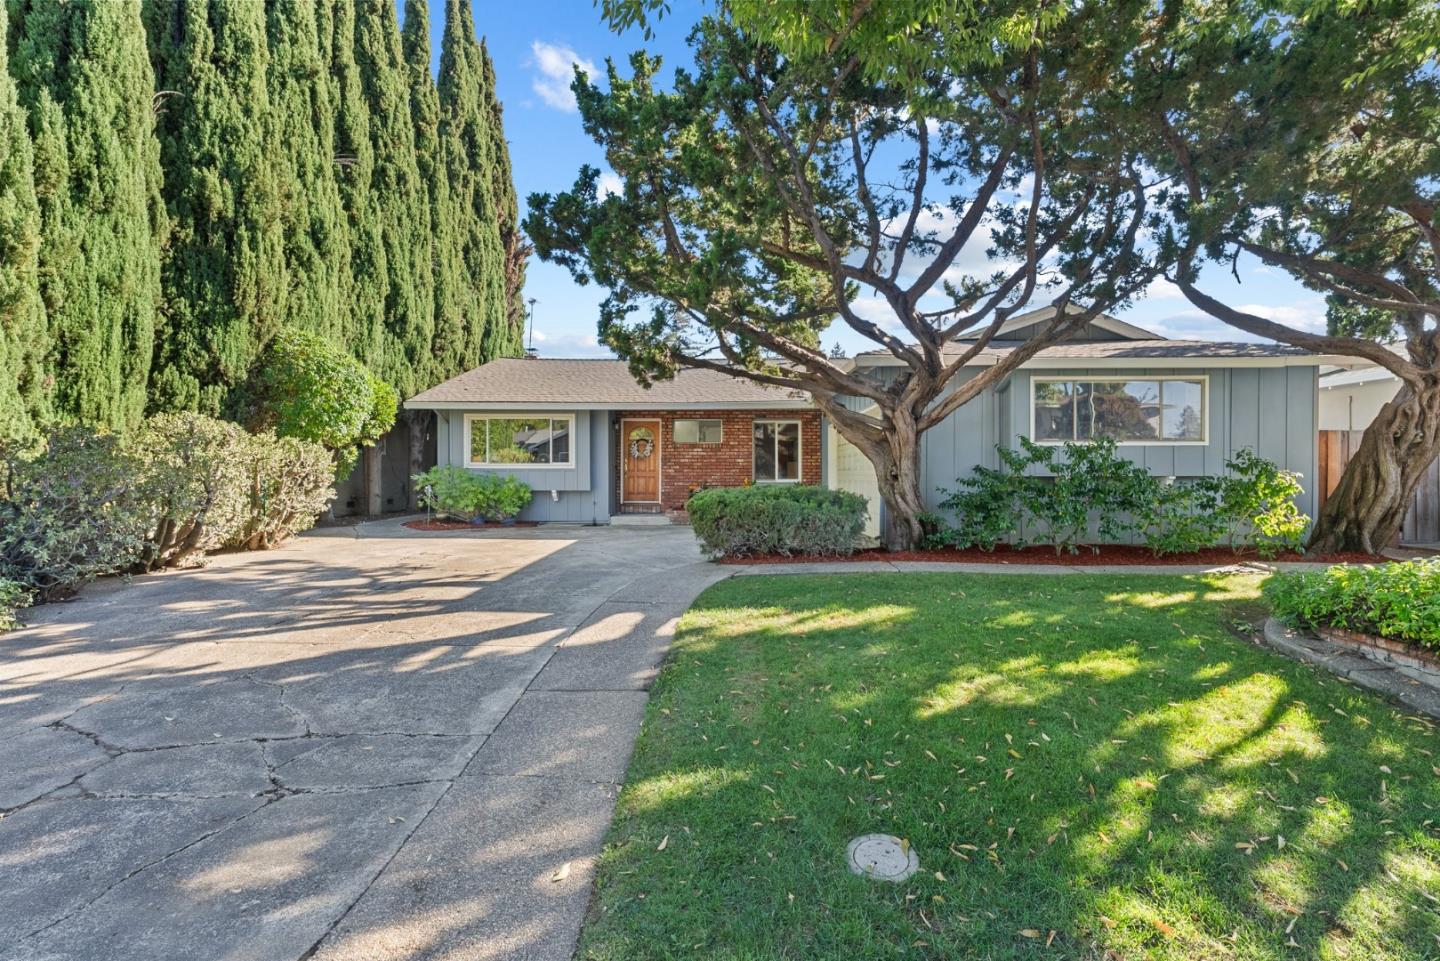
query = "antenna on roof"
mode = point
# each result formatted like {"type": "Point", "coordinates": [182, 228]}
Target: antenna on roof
{"type": "Point", "coordinates": [530, 340]}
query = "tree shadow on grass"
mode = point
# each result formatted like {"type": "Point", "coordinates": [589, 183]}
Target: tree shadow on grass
{"type": "Point", "coordinates": [1106, 764]}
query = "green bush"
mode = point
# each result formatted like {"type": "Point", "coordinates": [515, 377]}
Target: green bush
{"type": "Point", "coordinates": [13, 596]}
{"type": "Point", "coordinates": [214, 485]}
{"type": "Point", "coordinates": [458, 494]}
{"type": "Point", "coordinates": [78, 509]}
{"type": "Point", "coordinates": [287, 486]}
{"type": "Point", "coordinates": [776, 519]}
{"type": "Point", "coordinates": [1400, 601]}
{"type": "Point", "coordinates": [303, 387]}
{"type": "Point", "coordinates": [195, 474]}
{"type": "Point", "coordinates": [1062, 498]}
{"type": "Point", "coordinates": [1062, 495]}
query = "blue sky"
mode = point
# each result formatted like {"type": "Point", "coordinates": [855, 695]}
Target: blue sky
{"type": "Point", "coordinates": [534, 42]}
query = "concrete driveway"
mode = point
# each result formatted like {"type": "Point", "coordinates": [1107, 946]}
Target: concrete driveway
{"type": "Point", "coordinates": [367, 744]}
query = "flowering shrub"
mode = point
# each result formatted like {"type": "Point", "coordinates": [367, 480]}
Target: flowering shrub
{"type": "Point", "coordinates": [1399, 601]}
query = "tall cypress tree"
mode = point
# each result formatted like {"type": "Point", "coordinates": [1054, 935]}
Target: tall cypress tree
{"type": "Point", "coordinates": [468, 145]}
{"type": "Point", "coordinates": [507, 214]}
{"type": "Point", "coordinates": [400, 203]}
{"type": "Point", "coordinates": [84, 75]}
{"type": "Point", "coordinates": [302, 109]}
{"type": "Point", "coordinates": [23, 398]}
{"type": "Point", "coordinates": [447, 272]}
{"type": "Point", "coordinates": [355, 153]}
{"type": "Point", "coordinates": [224, 272]}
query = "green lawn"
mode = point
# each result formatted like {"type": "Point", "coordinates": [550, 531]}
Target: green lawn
{"type": "Point", "coordinates": [1083, 763]}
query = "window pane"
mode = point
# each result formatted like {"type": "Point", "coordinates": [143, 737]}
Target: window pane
{"type": "Point", "coordinates": [1054, 410]}
{"type": "Point", "coordinates": [1181, 418]}
{"type": "Point", "coordinates": [1128, 410]}
{"type": "Point", "coordinates": [788, 455]}
{"type": "Point", "coordinates": [711, 431]}
{"type": "Point", "coordinates": [687, 432]}
{"type": "Point", "coordinates": [519, 440]}
{"type": "Point", "coordinates": [560, 441]}
{"type": "Point", "coordinates": [764, 451]}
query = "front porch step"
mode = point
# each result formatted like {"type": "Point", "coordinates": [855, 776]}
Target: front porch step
{"type": "Point", "coordinates": [639, 520]}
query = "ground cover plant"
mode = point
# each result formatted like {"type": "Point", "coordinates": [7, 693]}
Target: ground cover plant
{"type": "Point", "coordinates": [1397, 601]}
{"type": "Point", "coordinates": [1087, 766]}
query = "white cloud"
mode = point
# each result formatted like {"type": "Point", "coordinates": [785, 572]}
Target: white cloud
{"type": "Point", "coordinates": [554, 66]}
{"type": "Point", "coordinates": [1162, 289]}
{"type": "Point", "coordinates": [609, 185]}
{"type": "Point", "coordinates": [566, 344]}
{"type": "Point", "coordinates": [1305, 315]}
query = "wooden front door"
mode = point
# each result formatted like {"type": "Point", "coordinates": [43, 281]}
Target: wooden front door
{"type": "Point", "coordinates": [640, 461]}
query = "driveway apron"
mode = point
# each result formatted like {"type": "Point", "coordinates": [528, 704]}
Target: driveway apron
{"type": "Point", "coordinates": [370, 743]}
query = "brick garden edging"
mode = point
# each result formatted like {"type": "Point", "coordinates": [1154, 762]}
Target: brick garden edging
{"type": "Point", "coordinates": [1347, 661]}
{"type": "Point", "coordinates": [1405, 658]}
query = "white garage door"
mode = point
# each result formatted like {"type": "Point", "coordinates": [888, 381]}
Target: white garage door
{"type": "Point", "coordinates": [855, 473]}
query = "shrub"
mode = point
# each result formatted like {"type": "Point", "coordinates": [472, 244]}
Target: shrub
{"type": "Point", "coordinates": [72, 512]}
{"type": "Point", "coordinates": [303, 387]}
{"type": "Point", "coordinates": [196, 470]}
{"type": "Point", "coordinates": [1060, 494]}
{"type": "Point", "coordinates": [287, 485]}
{"type": "Point", "coordinates": [776, 519]}
{"type": "Point", "coordinates": [1400, 601]}
{"type": "Point", "coordinates": [1091, 486]}
{"type": "Point", "coordinates": [456, 493]}
{"type": "Point", "coordinates": [13, 596]}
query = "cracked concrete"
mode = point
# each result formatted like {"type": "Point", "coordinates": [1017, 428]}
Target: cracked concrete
{"type": "Point", "coordinates": [367, 744]}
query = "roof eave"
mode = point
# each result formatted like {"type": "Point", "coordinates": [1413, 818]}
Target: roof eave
{"type": "Point", "coordinates": [786, 403]}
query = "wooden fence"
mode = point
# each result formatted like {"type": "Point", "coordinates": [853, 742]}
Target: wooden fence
{"type": "Point", "coordinates": [1422, 521]}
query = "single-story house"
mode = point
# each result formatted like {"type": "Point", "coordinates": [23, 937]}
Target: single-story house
{"type": "Point", "coordinates": [1350, 399]}
{"type": "Point", "coordinates": [595, 445]}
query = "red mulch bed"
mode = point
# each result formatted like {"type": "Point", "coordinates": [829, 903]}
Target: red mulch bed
{"type": "Point", "coordinates": [463, 526]}
{"type": "Point", "coordinates": [1122, 554]}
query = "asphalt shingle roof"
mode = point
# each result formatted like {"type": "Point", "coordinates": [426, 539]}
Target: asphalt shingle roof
{"type": "Point", "coordinates": [1090, 350]}
{"type": "Point", "coordinates": [596, 383]}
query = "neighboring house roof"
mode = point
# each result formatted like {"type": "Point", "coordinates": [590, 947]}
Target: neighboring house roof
{"type": "Point", "coordinates": [544, 384]}
{"type": "Point", "coordinates": [1354, 378]}
{"type": "Point", "coordinates": [1120, 353]}
{"type": "Point", "coordinates": [1113, 326]}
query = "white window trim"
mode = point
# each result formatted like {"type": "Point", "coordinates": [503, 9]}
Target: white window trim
{"type": "Point", "coordinates": [517, 415]}
{"type": "Point", "coordinates": [698, 420]}
{"type": "Point", "coordinates": [799, 450]}
{"type": "Point", "coordinates": [1204, 380]}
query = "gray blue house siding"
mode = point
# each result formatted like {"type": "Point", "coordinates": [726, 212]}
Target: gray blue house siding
{"type": "Point", "coordinates": [1270, 410]}
{"type": "Point", "coordinates": [580, 494]}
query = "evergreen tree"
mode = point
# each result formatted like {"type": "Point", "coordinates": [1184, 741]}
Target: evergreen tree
{"type": "Point", "coordinates": [447, 271]}
{"type": "Point", "coordinates": [84, 76]}
{"type": "Point", "coordinates": [316, 236]}
{"type": "Point", "coordinates": [507, 210]}
{"type": "Point", "coordinates": [400, 205]}
{"type": "Point", "coordinates": [224, 273]}
{"type": "Point", "coordinates": [355, 154]}
{"type": "Point", "coordinates": [22, 317]}
{"type": "Point", "coordinates": [468, 145]}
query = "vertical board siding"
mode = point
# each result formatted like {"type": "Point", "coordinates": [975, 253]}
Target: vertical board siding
{"type": "Point", "coordinates": [1271, 410]}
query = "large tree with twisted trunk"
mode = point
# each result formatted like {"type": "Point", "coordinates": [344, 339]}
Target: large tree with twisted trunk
{"type": "Point", "coordinates": [1311, 142]}
{"type": "Point", "coordinates": [766, 194]}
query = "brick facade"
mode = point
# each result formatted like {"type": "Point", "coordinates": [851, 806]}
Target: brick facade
{"type": "Point", "coordinates": [726, 464]}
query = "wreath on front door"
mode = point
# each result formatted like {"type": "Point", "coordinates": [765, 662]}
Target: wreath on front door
{"type": "Point", "coordinates": [642, 444]}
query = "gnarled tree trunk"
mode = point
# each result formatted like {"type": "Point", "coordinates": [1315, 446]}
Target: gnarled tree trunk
{"type": "Point", "coordinates": [1368, 507]}
{"type": "Point", "coordinates": [898, 473]}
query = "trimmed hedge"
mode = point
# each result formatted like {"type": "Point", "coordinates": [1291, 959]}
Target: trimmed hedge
{"type": "Point", "coordinates": [458, 494]}
{"type": "Point", "coordinates": [784, 519]}
{"type": "Point", "coordinates": [1398, 601]}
